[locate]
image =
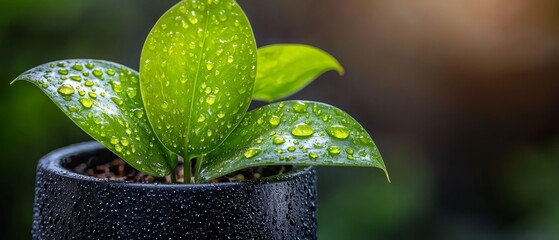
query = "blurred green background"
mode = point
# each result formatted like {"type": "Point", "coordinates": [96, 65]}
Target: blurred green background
{"type": "Point", "coordinates": [461, 97]}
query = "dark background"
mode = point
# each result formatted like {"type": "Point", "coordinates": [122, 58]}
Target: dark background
{"type": "Point", "coordinates": [460, 96]}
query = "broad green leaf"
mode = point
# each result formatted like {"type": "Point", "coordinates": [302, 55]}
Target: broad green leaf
{"type": "Point", "coordinates": [294, 133]}
{"type": "Point", "coordinates": [104, 99]}
{"type": "Point", "coordinates": [284, 69]}
{"type": "Point", "coordinates": [197, 68]}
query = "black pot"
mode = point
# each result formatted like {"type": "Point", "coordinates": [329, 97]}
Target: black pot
{"type": "Point", "coordinates": [74, 206]}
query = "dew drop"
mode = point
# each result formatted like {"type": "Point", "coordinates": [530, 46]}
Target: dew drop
{"type": "Point", "coordinates": [118, 148]}
{"type": "Point", "coordinates": [251, 152]}
{"type": "Point", "coordinates": [192, 18]}
{"type": "Point", "coordinates": [220, 115]}
{"type": "Point", "coordinates": [77, 67]}
{"type": "Point", "coordinates": [73, 108]}
{"type": "Point", "coordinates": [230, 59]}
{"type": "Point", "coordinates": [114, 140]}
{"type": "Point", "coordinates": [201, 118]}
{"type": "Point", "coordinates": [209, 65]}
{"type": "Point", "coordinates": [313, 156]}
{"type": "Point", "coordinates": [76, 78]}
{"type": "Point", "coordinates": [299, 107]}
{"type": "Point", "coordinates": [116, 100]}
{"type": "Point", "coordinates": [275, 121]}
{"type": "Point", "coordinates": [81, 92]}
{"type": "Point", "coordinates": [222, 16]}
{"type": "Point", "coordinates": [89, 83]}
{"type": "Point", "coordinates": [164, 105]}
{"type": "Point", "coordinates": [117, 87]}
{"type": "Point", "coordinates": [66, 90]}
{"type": "Point", "coordinates": [131, 92]}
{"type": "Point", "coordinates": [338, 131]}
{"type": "Point", "coordinates": [278, 140]}
{"type": "Point", "coordinates": [302, 130]}
{"type": "Point", "coordinates": [110, 72]}
{"type": "Point", "coordinates": [124, 142]}
{"type": "Point", "coordinates": [97, 72]}
{"type": "Point", "coordinates": [333, 150]}
{"type": "Point", "coordinates": [63, 71]}
{"type": "Point", "coordinates": [291, 148]}
{"type": "Point", "coordinates": [210, 99]}
{"type": "Point", "coordinates": [139, 114]}
{"type": "Point", "coordinates": [93, 95]}
{"type": "Point", "coordinates": [86, 102]}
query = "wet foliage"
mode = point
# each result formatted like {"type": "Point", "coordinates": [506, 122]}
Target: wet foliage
{"type": "Point", "coordinates": [199, 69]}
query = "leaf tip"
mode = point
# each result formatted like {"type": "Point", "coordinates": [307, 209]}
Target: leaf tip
{"type": "Point", "coordinates": [387, 176]}
{"type": "Point", "coordinates": [340, 70]}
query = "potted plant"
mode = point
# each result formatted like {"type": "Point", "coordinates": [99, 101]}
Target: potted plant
{"type": "Point", "coordinates": [183, 119]}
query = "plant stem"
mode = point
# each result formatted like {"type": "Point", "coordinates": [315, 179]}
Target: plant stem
{"type": "Point", "coordinates": [187, 170]}
{"type": "Point", "coordinates": [173, 176]}
{"type": "Point", "coordinates": [197, 169]}
{"type": "Point", "coordinates": [171, 156]}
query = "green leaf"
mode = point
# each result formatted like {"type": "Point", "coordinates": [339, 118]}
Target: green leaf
{"type": "Point", "coordinates": [104, 99]}
{"type": "Point", "coordinates": [294, 133]}
{"type": "Point", "coordinates": [198, 67]}
{"type": "Point", "coordinates": [284, 69]}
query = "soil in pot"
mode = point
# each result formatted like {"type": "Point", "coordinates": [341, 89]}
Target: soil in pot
{"type": "Point", "coordinates": [118, 170]}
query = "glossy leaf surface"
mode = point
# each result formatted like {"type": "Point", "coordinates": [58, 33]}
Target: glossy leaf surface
{"type": "Point", "coordinates": [294, 133]}
{"type": "Point", "coordinates": [198, 67]}
{"type": "Point", "coordinates": [104, 99]}
{"type": "Point", "coordinates": [284, 69]}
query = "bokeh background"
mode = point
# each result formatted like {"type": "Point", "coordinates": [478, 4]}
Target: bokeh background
{"type": "Point", "coordinates": [460, 96]}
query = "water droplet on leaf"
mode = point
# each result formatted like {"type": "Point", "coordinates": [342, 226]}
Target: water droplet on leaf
{"type": "Point", "coordinates": [275, 121]}
{"type": "Point", "coordinates": [338, 131]}
{"type": "Point", "coordinates": [313, 156]}
{"type": "Point", "coordinates": [299, 107]}
{"type": "Point", "coordinates": [86, 102]}
{"type": "Point", "coordinates": [302, 130]}
{"type": "Point", "coordinates": [66, 90]}
{"type": "Point", "coordinates": [333, 150]}
{"type": "Point", "coordinates": [278, 140]}
{"type": "Point", "coordinates": [251, 152]}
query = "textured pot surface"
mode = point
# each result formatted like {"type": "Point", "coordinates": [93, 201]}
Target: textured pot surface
{"type": "Point", "coordinates": [73, 206]}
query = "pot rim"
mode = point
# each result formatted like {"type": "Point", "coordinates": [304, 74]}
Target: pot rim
{"type": "Point", "coordinates": [52, 162]}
